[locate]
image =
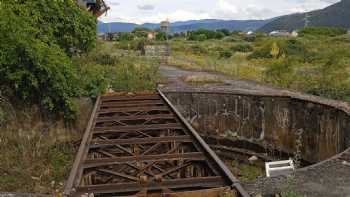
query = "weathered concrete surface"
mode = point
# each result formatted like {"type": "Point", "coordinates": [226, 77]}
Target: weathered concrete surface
{"type": "Point", "coordinates": [278, 121]}
{"type": "Point", "coordinates": [326, 179]}
{"type": "Point", "coordinates": [263, 113]}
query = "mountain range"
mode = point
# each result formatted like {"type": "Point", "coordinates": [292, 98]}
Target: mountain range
{"type": "Point", "coordinates": [336, 15]}
{"type": "Point", "coordinates": [242, 25]}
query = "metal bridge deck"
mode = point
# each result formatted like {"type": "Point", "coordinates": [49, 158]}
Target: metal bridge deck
{"type": "Point", "coordinates": [140, 145]}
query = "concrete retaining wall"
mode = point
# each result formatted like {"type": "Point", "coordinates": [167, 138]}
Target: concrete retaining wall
{"type": "Point", "coordinates": [280, 121]}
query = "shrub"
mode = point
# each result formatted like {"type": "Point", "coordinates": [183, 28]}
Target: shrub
{"type": "Point", "coordinates": [60, 22]}
{"type": "Point", "coordinates": [226, 32]}
{"type": "Point", "coordinates": [250, 38]}
{"type": "Point", "coordinates": [280, 73]}
{"type": "Point", "coordinates": [161, 36]}
{"type": "Point", "coordinates": [323, 31]}
{"type": "Point", "coordinates": [225, 54]}
{"type": "Point", "coordinates": [205, 34]}
{"type": "Point", "coordinates": [101, 70]}
{"type": "Point", "coordinates": [244, 48]}
{"type": "Point", "coordinates": [93, 80]}
{"type": "Point", "coordinates": [141, 32]}
{"type": "Point", "coordinates": [134, 74]}
{"type": "Point", "coordinates": [125, 36]}
{"type": "Point", "coordinates": [293, 47]}
{"type": "Point", "coordinates": [263, 52]}
{"type": "Point", "coordinates": [219, 35]}
{"type": "Point", "coordinates": [37, 39]}
{"type": "Point", "coordinates": [199, 50]}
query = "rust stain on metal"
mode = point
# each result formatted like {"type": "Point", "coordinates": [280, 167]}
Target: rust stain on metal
{"type": "Point", "coordinates": [140, 145]}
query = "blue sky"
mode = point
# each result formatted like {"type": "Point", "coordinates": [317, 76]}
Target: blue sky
{"type": "Point", "coordinates": [141, 11]}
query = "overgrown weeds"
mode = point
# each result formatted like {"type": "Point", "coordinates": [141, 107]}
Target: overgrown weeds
{"type": "Point", "coordinates": [317, 64]}
{"type": "Point", "coordinates": [35, 156]}
{"type": "Point", "coordinates": [108, 67]}
{"type": "Point", "coordinates": [202, 79]}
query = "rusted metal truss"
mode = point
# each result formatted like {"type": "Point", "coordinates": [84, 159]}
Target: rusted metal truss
{"type": "Point", "coordinates": [139, 145]}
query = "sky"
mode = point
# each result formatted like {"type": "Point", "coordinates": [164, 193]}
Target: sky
{"type": "Point", "coordinates": [154, 11]}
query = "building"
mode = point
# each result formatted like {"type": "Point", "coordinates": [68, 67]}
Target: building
{"type": "Point", "coordinates": [295, 33]}
{"type": "Point", "coordinates": [250, 33]}
{"type": "Point", "coordinates": [151, 35]}
{"type": "Point", "coordinates": [280, 33]}
{"type": "Point", "coordinates": [165, 26]}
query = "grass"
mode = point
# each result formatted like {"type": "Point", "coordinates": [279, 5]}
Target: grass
{"type": "Point", "coordinates": [202, 79]}
{"type": "Point", "coordinates": [108, 67]}
{"type": "Point", "coordinates": [245, 172]}
{"type": "Point", "coordinates": [316, 65]}
{"type": "Point", "coordinates": [36, 154]}
{"type": "Point", "coordinates": [35, 158]}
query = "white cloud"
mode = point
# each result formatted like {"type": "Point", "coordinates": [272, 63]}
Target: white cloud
{"type": "Point", "coordinates": [141, 11]}
{"type": "Point", "coordinates": [146, 7]}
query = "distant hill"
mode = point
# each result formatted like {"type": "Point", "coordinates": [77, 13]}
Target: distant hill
{"type": "Point", "coordinates": [243, 25]}
{"type": "Point", "coordinates": [115, 27]}
{"type": "Point", "coordinates": [336, 15]}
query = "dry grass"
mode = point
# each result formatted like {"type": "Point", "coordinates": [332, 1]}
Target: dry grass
{"type": "Point", "coordinates": [202, 79]}
{"type": "Point", "coordinates": [237, 66]}
{"type": "Point", "coordinates": [36, 155]}
{"type": "Point", "coordinates": [245, 172]}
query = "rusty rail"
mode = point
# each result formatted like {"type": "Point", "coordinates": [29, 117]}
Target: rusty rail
{"type": "Point", "coordinates": [140, 144]}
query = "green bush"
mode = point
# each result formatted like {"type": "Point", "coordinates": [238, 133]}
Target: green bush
{"type": "Point", "coordinates": [293, 47]}
{"type": "Point", "coordinates": [100, 70]}
{"type": "Point", "coordinates": [263, 52]}
{"type": "Point", "coordinates": [60, 22]}
{"type": "Point", "coordinates": [225, 53]}
{"type": "Point", "coordinates": [199, 50]}
{"type": "Point", "coordinates": [226, 32]}
{"type": "Point", "coordinates": [161, 36]}
{"type": "Point", "coordinates": [37, 39]}
{"type": "Point", "coordinates": [134, 74]}
{"type": "Point", "coordinates": [280, 73]}
{"type": "Point", "coordinates": [219, 35]}
{"type": "Point", "coordinates": [205, 34]}
{"type": "Point", "coordinates": [125, 36]}
{"type": "Point", "coordinates": [250, 38]}
{"type": "Point", "coordinates": [244, 48]}
{"type": "Point", "coordinates": [323, 31]}
{"type": "Point", "coordinates": [141, 32]}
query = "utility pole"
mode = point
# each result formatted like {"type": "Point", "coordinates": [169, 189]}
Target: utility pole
{"type": "Point", "coordinates": [307, 19]}
{"type": "Point", "coordinates": [306, 16]}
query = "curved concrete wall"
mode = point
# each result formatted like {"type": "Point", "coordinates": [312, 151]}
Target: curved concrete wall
{"type": "Point", "coordinates": [319, 130]}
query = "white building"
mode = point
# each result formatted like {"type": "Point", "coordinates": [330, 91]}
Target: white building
{"type": "Point", "coordinates": [280, 33]}
{"type": "Point", "coordinates": [295, 33]}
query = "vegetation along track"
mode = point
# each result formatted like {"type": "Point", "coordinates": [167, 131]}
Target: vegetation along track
{"type": "Point", "coordinates": [140, 145]}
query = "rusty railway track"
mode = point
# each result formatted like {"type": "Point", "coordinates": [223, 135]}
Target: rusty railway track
{"type": "Point", "coordinates": [140, 145]}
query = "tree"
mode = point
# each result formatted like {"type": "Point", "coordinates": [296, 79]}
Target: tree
{"type": "Point", "coordinates": [141, 32]}
{"type": "Point", "coordinates": [35, 50]}
{"type": "Point", "coordinates": [226, 32]}
{"type": "Point", "coordinates": [161, 36]}
{"type": "Point", "coordinates": [61, 22]}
